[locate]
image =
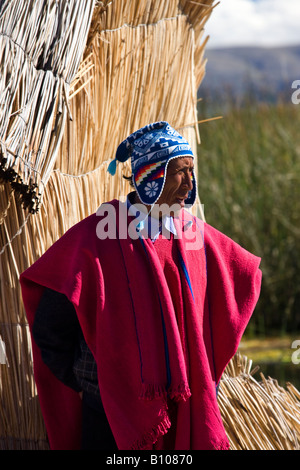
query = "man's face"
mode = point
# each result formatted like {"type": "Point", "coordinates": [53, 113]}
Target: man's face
{"type": "Point", "coordinates": [178, 182]}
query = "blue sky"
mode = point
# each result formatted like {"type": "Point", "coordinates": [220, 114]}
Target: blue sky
{"type": "Point", "coordinates": [254, 23]}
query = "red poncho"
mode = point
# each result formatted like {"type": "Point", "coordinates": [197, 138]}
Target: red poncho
{"type": "Point", "coordinates": [144, 356]}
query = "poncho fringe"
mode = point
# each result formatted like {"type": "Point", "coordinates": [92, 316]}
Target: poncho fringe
{"type": "Point", "coordinates": [150, 437]}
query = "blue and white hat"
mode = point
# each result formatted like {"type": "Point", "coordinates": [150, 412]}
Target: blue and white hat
{"type": "Point", "coordinates": [150, 149]}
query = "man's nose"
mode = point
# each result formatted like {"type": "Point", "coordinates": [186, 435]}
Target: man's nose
{"type": "Point", "coordinates": [188, 180]}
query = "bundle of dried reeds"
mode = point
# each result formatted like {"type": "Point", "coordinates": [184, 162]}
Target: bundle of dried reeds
{"type": "Point", "coordinates": [258, 415]}
{"type": "Point", "coordinates": [21, 424]}
{"type": "Point", "coordinates": [112, 14]}
{"type": "Point", "coordinates": [41, 46]}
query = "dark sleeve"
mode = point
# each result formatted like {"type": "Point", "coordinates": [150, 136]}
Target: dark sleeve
{"type": "Point", "coordinates": [56, 332]}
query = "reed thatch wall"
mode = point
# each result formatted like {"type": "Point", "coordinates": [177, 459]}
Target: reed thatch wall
{"type": "Point", "coordinates": [76, 78]}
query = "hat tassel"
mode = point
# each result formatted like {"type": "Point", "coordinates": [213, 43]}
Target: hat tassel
{"type": "Point", "coordinates": [112, 167]}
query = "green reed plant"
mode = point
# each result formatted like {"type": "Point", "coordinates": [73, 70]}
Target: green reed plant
{"type": "Point", "coordinates": [249, 183]}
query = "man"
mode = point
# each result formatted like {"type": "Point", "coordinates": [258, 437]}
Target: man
{"type": "Point", "coordinates": [148, 305]}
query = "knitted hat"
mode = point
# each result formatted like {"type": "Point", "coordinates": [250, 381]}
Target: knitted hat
{"type": "Point", "coordinates": [150, 149]}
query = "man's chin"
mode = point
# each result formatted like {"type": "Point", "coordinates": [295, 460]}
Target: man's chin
{"type": "Point", "coordinates": [181, 202]}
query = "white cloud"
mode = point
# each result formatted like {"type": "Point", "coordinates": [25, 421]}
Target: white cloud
{"type": "Point", "coordinates": [254, 23]}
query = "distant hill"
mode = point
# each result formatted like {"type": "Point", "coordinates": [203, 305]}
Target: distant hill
{"type": "Point", "coordinates": [267, 72]}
